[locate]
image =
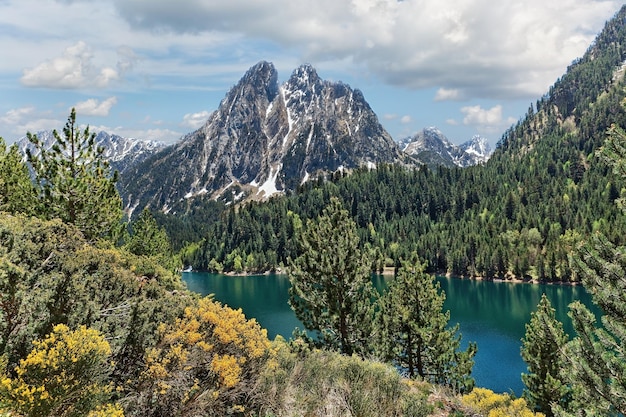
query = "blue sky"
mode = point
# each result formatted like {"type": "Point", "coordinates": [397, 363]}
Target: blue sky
{"type": "Point", "coordinates": [155, 69]}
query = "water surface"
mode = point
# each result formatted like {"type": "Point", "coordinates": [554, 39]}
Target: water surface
{"type": "Point", "coordinates": [492, 314]}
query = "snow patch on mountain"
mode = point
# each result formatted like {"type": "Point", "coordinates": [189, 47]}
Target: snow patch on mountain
{"type": "Point", "coordinates": [433, 147]}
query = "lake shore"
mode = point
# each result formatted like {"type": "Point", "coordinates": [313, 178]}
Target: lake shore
{"type": "Point", "coordinates": [390, 271]}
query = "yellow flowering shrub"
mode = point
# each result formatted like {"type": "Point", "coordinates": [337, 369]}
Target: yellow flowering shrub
{"type": "Point", "coordinates": [490, 404]}
{"type": "Point", "coordinates": [207, 360]}
{"type": "Point", "coordinates": [64, 375]}
{"type": "Point", "coordinates": [107, 410]}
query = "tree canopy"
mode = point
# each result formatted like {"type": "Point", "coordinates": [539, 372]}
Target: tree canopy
{"type": "Point", "coordinates": [75, 183]}
{"type": "Point", "coordinates": [412, 331]}
{"type": "Point", "coordinates": [331, 289]}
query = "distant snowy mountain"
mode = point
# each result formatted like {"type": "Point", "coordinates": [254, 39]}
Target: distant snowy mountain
{"type": "Point", "coordinates": [121, 152]}
{"type": "Point", "coordinates": [432, 147]}
{"type": "Point", "coordinates": [477, 147]}
{"type": "Point", "coordinates": [264, 139]}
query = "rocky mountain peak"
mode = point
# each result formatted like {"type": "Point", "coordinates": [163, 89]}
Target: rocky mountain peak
{"type": "Point", "coordinates": [433, 147]}
{"type": "Point", "coordinates": [304, 77]}
{"type": "Point", "coordinates": [479, 147]}
{"type": "Point", "coordinates": [265, 139]}
{"type": "Point", "coordinates": [262, 79]}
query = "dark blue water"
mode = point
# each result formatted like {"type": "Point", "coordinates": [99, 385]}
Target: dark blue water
{"type": "Point", "coordinates": [492, 314]}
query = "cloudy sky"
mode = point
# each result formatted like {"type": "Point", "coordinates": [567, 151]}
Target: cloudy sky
{"type": "Point", "coordinates": [155, 69]}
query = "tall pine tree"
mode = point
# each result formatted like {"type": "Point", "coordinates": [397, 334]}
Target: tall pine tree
{"type": "Point", "coordinates": [17, 194]}
{"type": "Point", "coordinates": [331, 289]}
{"type": "Point", "coordinates": [596, 358]}
{"type": "Point", "coordinates": [541, 350]}
{"type": "Point", "coordinates": [75, 183]}
{"type": "Point", "coordinates": [413, 333]}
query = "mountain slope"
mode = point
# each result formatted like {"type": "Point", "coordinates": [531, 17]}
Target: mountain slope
{"type": "Point", "coordinates": [265, 139]}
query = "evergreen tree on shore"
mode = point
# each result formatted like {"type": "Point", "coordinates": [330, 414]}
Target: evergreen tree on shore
{"type": "Point", "coordinates": [331, 289]}
{"type": "Point", "coordinates": [542, 351]}
{"type": "Point", "coordinates": [412, 331]}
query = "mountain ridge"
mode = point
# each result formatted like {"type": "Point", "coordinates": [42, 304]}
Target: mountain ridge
{"type": "Point", "coordinates": [432, 147]}
{"type": "Point", "coordinates": [264, 139]}
{"type": "Point", "coordinates": [120, 152]}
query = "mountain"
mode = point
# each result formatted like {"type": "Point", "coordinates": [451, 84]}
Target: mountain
{"type": "Point", "coordinates": [433, 148]}
{"type": "Point", "coordinates": [265, 139]}
{"type": "Point", "coordinates": [121, 152]}
{"type": "Point", "coordinates": [477, 150]}
{"type": "Point", "coordinates": [520, 214]}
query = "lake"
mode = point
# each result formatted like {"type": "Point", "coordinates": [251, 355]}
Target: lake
{"type": "Point", "coordinates": [492, 314]}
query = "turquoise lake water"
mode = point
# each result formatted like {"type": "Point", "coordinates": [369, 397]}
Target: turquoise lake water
{"type": "Point", "coordinates": [492, 314]}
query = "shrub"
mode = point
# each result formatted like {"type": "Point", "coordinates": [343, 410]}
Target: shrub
{"type": "Point", "coordinates": [328, 383]}
{"type": "Point", "coordinates": [64, 375]}
{"type": "Point", "coordinates": [490, 404]}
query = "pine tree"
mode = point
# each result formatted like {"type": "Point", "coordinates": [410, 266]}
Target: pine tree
{"type": "Point", "coordinates": [75, 182]}
{"type": "Point", "coordinates": [541, 350]}
{"type": "Point", "coordinates": [413, 332]}
{"type": "Point", "coordinates": [17, 194]}
{"type": "Point", "coordinates": [147, 238]}
{"type": "Point", "coordinates": [597, 356]}
{"type": "Point", "coordinates": [331, 289]}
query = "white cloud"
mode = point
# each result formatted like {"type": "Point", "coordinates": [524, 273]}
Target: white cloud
{"type": "Point", "coordinates": [195, 120]}
{"type": "Point", "coordinates": [74, 69]}
{"type": "Point", "coordinates": [468, 48]}
{"type": "Point", "coordinates": [476, 115]}
{"type": "Point", "coordinates": [37, 125]}
{"type": "Point", "coordinates": [485, 120]}
{"type": "Point", "coordinates": [452, 122]}
{"type": "Point", "coordinates": [93, 107]}
{"type": "Point", "coordinates": [445, 94]}
{"type": "Point", "coordinates": [406, 119]}
{"type": "Point", "coordinates": [16, 122]}
{"type": "Point", "coordinates": [15, 116]}
{"type": "Point", "coordinates": [390, 116]}
{"type": "Point", "coordinates": [161, 135]}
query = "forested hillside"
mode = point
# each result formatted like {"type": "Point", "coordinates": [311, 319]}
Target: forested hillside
{"type": "Point", "coordinates": [517, 215]}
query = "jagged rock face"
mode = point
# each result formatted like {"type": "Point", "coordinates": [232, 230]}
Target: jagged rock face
{"type": "Point", "coordinates": [120, 152]}
{"type": "Point", "coordinates": [477, 150]}
{"type": "Point", "coordinates": [265, 138]}
{"type": "Point", "coordinates": [433, 148]}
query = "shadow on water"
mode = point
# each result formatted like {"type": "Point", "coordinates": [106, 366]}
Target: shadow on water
{"type": "Point", "coordinates": [492, 314]}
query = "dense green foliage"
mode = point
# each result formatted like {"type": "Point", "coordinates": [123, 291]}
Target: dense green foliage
{"type": "Point", "coordinates": [147, 239]}
{"type": "Point", "coordinates": [49, 274]}
{"type": "Point", "coordinates": [413, 332]}
{"type": "Point", "coordinates": [75, 183]}
{"type": "Point", "coordinates": [542, 351]}
{"type": "Point", "coordinates": [17, 193]}
{"type": "Point", "coordinates": [596, 358]}
{"type": "Point", "coordinates": [517, 215]}
{"type": "Point", "coordinates": [331, 290]}
{"type": "Point", "coordinates": [332, 294]}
